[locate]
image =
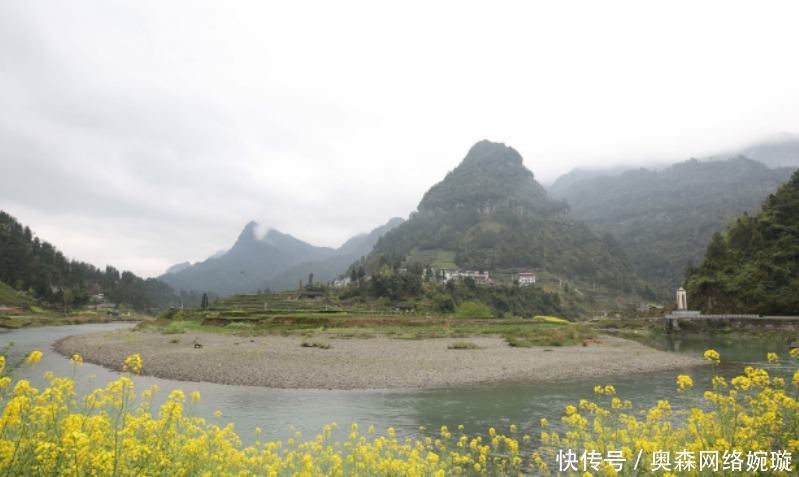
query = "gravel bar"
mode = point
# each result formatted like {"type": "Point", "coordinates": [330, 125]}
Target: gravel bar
{"type": "Point", "coordinates": [363, 363]}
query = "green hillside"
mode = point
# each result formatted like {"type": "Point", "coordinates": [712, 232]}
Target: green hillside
{"type": "Point", "coordinates": [751, 267]}
{"type": "Point", "coordinates": [12, 298]}
{"type": "Point", "coordinates": [664, 220]}
{"type": "Point", "coordinates": [36, 266]}
{"type": "Point", "coordinates": [490, 214]}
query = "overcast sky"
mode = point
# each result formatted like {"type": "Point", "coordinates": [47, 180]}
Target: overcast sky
{"type": "Point", "coordinates": [145, 133]}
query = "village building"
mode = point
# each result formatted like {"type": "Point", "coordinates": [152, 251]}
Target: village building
{"type": "Point", "coordinates": [525, 278]}
{"type": "Point", "coordinates": [445, 275]}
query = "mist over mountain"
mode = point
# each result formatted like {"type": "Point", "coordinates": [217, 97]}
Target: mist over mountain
{"type": "Point", "coordinates": [777, 151]}
{"type": "Point", "coordinates": [275, 260]}
{"type": "Point", "coordinates": [664, 220]}
{"type": "Point", "coordinates": [781, 150]}
{"type": "Point", "coordinates": [490, 213]}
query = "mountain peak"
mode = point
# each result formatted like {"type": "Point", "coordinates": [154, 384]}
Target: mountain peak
{"type": "Point", "coordinates": [491, 176]}
{"type": "Point", "coordinates": [249, 233]}
{"type": "Point", "coordinates": [487, 152]}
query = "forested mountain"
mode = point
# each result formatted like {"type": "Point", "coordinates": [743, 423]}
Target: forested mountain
{"type": "Point", "coordinates": [328, 269]}
{"type": "Point", "coordinates": [489, 213]}
{"type": "Point", "coordinates": [753, 265]}
{"type": "Point", "coordinates": [276, 261]}
{"type": "Point", "coordinates": [247, 265]}
{"type": "Point", "coordinates": [664, 220]}
{"type": "Point", "coordinates": [39, 269]}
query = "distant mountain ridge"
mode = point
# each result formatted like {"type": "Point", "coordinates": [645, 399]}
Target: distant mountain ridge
{"type": "Point", "coordinates": [256, 263]}
{"type": "Point", "coordinates": [665, 219]}
{"type": "Point", "coordinates": [330, 268]}
{"type": "Point", "coordinates": [778, 151]}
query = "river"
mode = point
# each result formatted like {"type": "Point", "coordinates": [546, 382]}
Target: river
{"type": "Point", "coordinates": [275, 411]}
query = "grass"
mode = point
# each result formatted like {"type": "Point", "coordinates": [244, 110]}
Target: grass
{"type": "Point", "coordinates": [556, 335]}
{"type": "Point", "coordinates": [10, 297]}
{"type": "Point", "coordinates": [179, 327]}
{"type": "Point", "coordinates": [463, 345]}
{"type": "Point", "coordinates": [54, 318]}
{"type": "Point", "coordinates": [516, 331]}
{"type": "Point", "coordinates": [438, 259]}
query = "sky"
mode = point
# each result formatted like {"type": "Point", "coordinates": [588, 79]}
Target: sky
{"type": "Point", "coordinates": [141, 134]}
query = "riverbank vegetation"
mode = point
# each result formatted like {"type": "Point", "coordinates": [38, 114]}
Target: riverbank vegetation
{"type": "Point", "coordinates": [35, 316]}
{"type": "Point", "coordinates": [516, 331]}
{"type": "Point", "coordinates": [748, 423]}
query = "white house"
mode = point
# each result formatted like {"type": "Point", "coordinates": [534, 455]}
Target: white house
{"type": "Point", "coordinates": [525, 278]}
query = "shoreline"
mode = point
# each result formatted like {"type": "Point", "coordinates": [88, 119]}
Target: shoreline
{"type": "Point", "coordinates": [295, 362]}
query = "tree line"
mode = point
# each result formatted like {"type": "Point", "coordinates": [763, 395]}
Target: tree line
{"type": "Point", "coordinates": [36, 267]}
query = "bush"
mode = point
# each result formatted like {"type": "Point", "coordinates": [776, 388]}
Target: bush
{"type": "Point", "coordinates": [473, 309]}
{"type": "Point", "coordinates": [463, 345]}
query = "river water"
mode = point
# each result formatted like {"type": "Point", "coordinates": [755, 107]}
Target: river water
{"type": "Point", "coordinates": [275, 411]}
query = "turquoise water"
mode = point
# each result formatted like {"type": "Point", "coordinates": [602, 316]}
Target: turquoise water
{"type": "Point", "coordinates": [275, 411]}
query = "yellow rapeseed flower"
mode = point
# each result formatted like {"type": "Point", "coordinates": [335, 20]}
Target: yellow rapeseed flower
{"type": "Point", "coordinates": [712, 355]}
{"type": "Point", "coordinates": [133, 364]}
{"type": "Point", "coordinates": [684, 382]}
{"type": "Point", "coordinates": [33, 358]}
{"type": "Point", "coordinates": [108, 432]}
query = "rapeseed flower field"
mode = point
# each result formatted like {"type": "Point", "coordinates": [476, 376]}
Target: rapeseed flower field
{"type": "Point", "coordinates": [747, 426]}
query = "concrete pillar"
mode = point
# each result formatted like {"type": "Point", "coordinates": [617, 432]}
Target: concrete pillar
{"type": "Point", "coordinates": [682, 299]}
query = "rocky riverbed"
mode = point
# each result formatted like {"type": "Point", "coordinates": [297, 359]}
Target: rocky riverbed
{"type": "Point", "coordinates": [323, 362]}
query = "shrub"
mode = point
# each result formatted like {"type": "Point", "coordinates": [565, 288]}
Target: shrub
{"type": "Point", "coordinates": [473, 309]}
{"type": "Point", "coordinates": [315, 344]}
{"type": "Point", "coordinates": [463, 345]}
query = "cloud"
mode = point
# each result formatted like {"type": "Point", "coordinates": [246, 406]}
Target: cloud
{"type": "Point", "coordinates": [160, 129]}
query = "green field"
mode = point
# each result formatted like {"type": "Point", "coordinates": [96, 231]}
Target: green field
{"type": "Point", "coordinates": [254, 315]}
